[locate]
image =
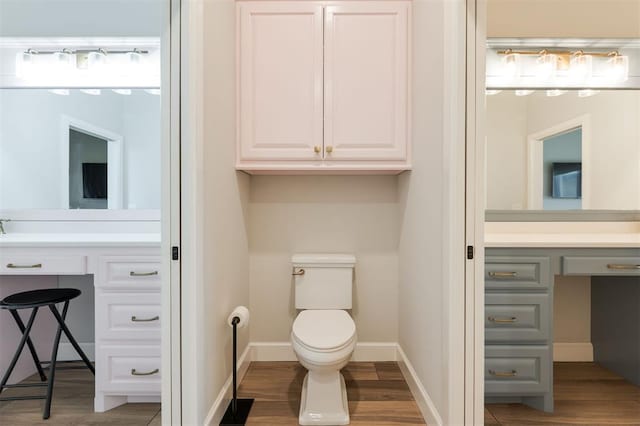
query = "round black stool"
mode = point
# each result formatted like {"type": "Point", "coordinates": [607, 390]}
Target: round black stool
{"type": "Point", "coordinates": [34, 300]}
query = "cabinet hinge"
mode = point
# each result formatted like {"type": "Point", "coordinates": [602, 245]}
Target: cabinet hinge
{"type": "Point", "coordinates": [175, 253]}
{"type": "Point", "coordinates": [469, 252]}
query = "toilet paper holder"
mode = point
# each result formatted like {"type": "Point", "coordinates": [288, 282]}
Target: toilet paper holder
{"type": "Point", "coordinates": [238, 410]}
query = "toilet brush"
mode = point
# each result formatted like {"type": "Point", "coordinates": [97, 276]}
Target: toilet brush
{"type": "Point", "coordinates": [238, 410]}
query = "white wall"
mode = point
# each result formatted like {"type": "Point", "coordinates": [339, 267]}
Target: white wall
{"type": "Point", "coordinates": [334, 214]}
{"type": "Point", "coordinates": [572, 309]}
{"type": "Point", "coordinates": [614, 154]}
{"type": "Point", "coordinates": [506, 152]}
{"type": "Point", "coordinates": [563, 18]}
{"type": "Point", "coordinates": [81, 18]}
{"type": "Point", "coordinates": [30, 144]}
{"type": "Point", "coordinates": [422, 328]}
{"type": "Point", "coordinates": [226, 244]}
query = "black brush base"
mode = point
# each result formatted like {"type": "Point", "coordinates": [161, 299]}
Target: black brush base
{"type": "Point", "coordinates": [240, 419]}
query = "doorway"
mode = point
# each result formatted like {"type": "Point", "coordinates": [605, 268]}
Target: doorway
{"type": "Point", "coordinates": [558, 164]}
{"type": "Point", "coordinates": [91, 156]}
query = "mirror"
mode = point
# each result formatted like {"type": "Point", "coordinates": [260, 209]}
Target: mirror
{"type": "Point", "coordinates": [79, 150]}
{"type": "Point", "coordinates": [80, 124]}
{"type": "Point", "coordinates": [563, 150]}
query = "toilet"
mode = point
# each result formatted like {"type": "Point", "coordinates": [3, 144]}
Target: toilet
{"type": "Point", "coordinates": [323, 335]}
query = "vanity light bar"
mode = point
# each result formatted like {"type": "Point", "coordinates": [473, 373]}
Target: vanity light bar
{"type": "Point", "coordinates": [84, 51]}
{"type": "Point", "coordinates": [561, 53]}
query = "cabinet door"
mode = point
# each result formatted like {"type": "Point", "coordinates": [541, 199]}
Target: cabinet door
{"type": "Point", "coordinates": [280, 80]}
{"type": "Point", "coordinates": [366, 80]}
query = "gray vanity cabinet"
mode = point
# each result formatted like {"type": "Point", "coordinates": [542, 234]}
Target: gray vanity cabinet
{"type": "Point", "coordinates": [519, 330]}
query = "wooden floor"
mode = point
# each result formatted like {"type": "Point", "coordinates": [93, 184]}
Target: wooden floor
{"type": "Point", "coordinates": [584, 394]}
{"type": "Point", "coordinates": [377, 393]}
{"type": "Point", "coordinates": [72, 405]}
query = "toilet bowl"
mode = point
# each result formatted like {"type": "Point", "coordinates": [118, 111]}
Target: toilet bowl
{"type": "Point", "coordinates": [323, 341]}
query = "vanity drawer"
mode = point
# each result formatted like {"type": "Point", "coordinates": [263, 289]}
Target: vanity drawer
{"type": "Point", "coordinates": [580, 265]}
{"type": "Point", "coordinates": [129, 369]}
{"type": "Point", "coordinates": [42, 265]}
{"type": "Point", "coordinates": [130, 316]}
{"type": "Point", "coordinates": [517, 370]}
{"type": "Point", "coordinates": [142, 272]}
{"type": "Point", "coordinates": [517, 318]}
{"type": "Point", "coordinates": [527, 273]}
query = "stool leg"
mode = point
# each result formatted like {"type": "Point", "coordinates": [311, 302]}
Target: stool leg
{"type": "Point", "coordinates": [25, 336]}
{"type": "Point", "coordinates": [18, 320]}
{"type": "Point", "coordinates": [52, 367]}
{"type": "Point", "coordinates": [72, 340]}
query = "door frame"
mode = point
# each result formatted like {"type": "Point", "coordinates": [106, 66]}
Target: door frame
{"type": "Point", "coordinates": [475, 209]}
{"type": "Point", "coordinates": [171, 297]}
{"type": "Point", "coordinates": [535, 175]}
{"type": "Point", "coordinates": [115, 168]}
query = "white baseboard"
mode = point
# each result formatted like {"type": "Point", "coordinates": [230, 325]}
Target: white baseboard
{"type": "Point", "coordinates": [224, 397]}
{"type": "Point", "coordinates": [365, 351]}
{"type": "Point", "coordinates": [426, 405]}
{"type": "Point", "coordinates": [66, 352]}
{"type": "Point", "coordinates": [573, 352]}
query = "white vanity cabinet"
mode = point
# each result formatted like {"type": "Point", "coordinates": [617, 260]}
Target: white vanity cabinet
{"type": "Point", "coordinates": [323, 86]}
{"type": "Point", "coordinates": [127, 289]}
{"type": "Point", "coordinates": [127, 277]}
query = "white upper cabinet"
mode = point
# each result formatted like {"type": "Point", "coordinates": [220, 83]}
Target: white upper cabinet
{"type": "Point", "coordinates": [323, 86]}
{"type": "Point", "coordinates": [280, 69]}
{"type": "Point", "coordinates": [365, 81]}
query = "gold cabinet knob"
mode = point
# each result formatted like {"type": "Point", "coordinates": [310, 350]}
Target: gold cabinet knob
{"type": "Point", "coordinates": [329, 149]}
{"type": "Point", "coordinates": [316, 149]}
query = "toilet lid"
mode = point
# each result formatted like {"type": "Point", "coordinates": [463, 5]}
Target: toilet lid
{"type": "Point", "coordinates": [324, 329]}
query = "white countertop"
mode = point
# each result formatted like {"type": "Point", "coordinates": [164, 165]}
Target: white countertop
{"type": "Point", "coordinates": [562, 234]}
{"type": "Point", "coordinates": [79, 240]}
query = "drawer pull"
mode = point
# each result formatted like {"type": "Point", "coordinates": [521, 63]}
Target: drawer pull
{"type": "Point", "coordinates": [136, 319]}
{"type": "Point", "coordinates": [510, 320]}
{"type": "Point", "coordinates": [142, 274]}
{"type": "Point", "coordinates": [500, 274]}
{"type": "Point", "coordinates": [149, 373]}
{"type": "Point", "coordinates": [34, 266]}
{"type": "Point", "coordinates": [512, 373]}
{"type": "Point", "coordinates": [623, 266]}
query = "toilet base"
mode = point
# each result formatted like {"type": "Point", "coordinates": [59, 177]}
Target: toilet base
{"type": "Point", "coordinates": [324, 399]}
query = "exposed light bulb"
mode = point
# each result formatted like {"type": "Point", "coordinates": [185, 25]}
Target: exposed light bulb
{"type": "Point", "coordinates": [618, 70]}
{"type": "Point", "coordinates": [134, 57]}
{"type": "Point", "coordinates": [60, 92]}
{"type": "Point", "coordinates": [93, 92]}
{"type": "Point", "coordinates": [523, 92]}
{"type": "Point", "coordinates": [156, 92]}
{"type": "Point", "coordinates": [63, 58]}
{"type": "Point", "coordinates": [122, 91]}
{"type": "Point", "coordinates": [546, 66]}
{"type": "Point", "coordinates": [490, 92]}
{"type": "Point", "coordinates": [585, 93]}
{"type": "Point", "coordinates": [97, 60]}
{"type": "Point", "coordinates": [511, 66]}
{"type": "Point", "coordinates": [581, 68]}
{"type": "Point", "coordinates": [555, 92]}
{"type": "Point", "coordinates": [25, 64]}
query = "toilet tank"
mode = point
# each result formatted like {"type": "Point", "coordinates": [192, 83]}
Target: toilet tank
{"type": "Point", "coordinates": [323, 281]}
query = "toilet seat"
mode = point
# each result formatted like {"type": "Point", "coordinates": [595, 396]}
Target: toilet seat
{"type": "Point", "coordinates": [329, 330]}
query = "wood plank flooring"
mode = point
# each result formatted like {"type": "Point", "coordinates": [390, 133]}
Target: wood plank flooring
{"type": "Point", "coordinates": [584, 394]}
{"type": "Point", "coordinates": [377, 392]}
{"type": "Point", "coordinates": [72, 405]}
